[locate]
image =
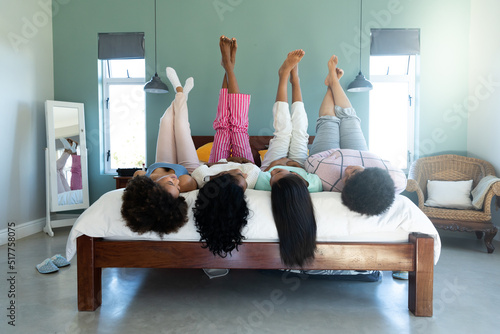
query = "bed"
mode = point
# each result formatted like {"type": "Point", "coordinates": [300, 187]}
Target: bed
{"type": "Point", "coordinates": [401, 239]}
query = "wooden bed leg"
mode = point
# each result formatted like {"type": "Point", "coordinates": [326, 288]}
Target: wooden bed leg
{"type": "Point", "coordinates": [420, 288]}
{"type": "Point", "coordinates": [89, 277]}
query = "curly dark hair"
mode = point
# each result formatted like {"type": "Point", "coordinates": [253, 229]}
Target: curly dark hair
{"type": "Point", "coordinates": [370, 192]}
{"type": "Point", "coordinates": [293, 213]}
{"type": "Point", "coordinates": [220, 212]}
{"type": "Point", "coordinates": [148, 207]}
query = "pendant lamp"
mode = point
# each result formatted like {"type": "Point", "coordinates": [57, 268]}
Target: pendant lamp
{"type": "Point", "coordinates": [155, 85]}
{"type": "Point", "coordinates": [360, 84]}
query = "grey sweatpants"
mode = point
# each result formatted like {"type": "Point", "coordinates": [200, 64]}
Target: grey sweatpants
{"type": "Point", "coordinates": [340, 131]}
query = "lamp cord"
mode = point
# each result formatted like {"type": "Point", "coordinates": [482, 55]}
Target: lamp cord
{"type": "Point", "coordinates": [156, 50]}
{"type": "Point", "coordinates": [360, 32]}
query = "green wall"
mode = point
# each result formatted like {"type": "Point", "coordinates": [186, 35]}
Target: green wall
{"type": "Point", "coordinates": [188, 33]}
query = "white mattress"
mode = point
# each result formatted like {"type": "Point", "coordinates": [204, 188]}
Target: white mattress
{"type": "Point", "coordinates": [335, 222]}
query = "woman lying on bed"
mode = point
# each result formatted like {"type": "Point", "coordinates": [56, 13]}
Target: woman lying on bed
{"type": "Point", "coordinates": [292, 211]}
{"type": "Point", "coordinates": [221, 211]}
{"type": "Point", "coordinates": [340, 157]}
{"type": "Point", "coordinates": [151, 200]}
{"type": "Point", "coordinates": [283, 170]}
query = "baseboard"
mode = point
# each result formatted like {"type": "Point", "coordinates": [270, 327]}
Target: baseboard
{"type": "Point", "coordinates": [23, 230]}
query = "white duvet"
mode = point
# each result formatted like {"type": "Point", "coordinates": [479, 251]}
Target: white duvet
{"type": "Point", "coordinates": [335, 222]}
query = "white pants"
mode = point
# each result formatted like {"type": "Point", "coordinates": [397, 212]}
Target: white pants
{"type": "Point", "coordinates": [290, 134]}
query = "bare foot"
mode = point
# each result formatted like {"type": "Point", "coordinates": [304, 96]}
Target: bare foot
{"type": "Point", "coordinates": [340, 73]}
{"type": "Point", "coordinates": [225, 50]}
{"type": "Point", "coordinates": [291, 61]}
{"type": "Point", "coordinates": [333, 74]}
{"type": "Point", "coordinates": [234, 47]}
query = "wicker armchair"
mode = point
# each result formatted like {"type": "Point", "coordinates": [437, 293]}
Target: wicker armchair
{"type": "Point", "coordinates": [451, 167]}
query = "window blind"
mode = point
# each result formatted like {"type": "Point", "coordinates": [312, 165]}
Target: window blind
{"type": "Point", "coordinates": [385, 42]}
{"type": "Point", "coordinates": [129, 45]}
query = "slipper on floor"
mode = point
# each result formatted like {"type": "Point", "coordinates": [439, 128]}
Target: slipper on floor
{"type": "Point", "coordinates": [60, 261]}
{"type": "Point", "coordinates": [47, 267]}
{"type": "Point", "coordinates": [402, 275]}
{"type": "Point", "coordinates": [214, 273]}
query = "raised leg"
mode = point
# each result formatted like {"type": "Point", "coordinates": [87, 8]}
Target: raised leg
{"type": "Point", "coordinates": [222, 146]}
{"type": "Point", "coordinates": [280, 144]}
{"type": "Point", "coordinates": [421, 280]}
{"type": "Point", "coordinates": [332, 81]}
{"type": "Point", "coordinates": [328, 124]}
{"type": "Point", "coordinates": [298, 150]}
{"type": "Point", "coordinates": [165, 144]}
{"type": "Point", "coordinates": [186, 152]}
{"type": "Point", "coordinates": [175, 144]}
{"type": "Point", "coordinates": [327, 107]}
{"type": "Point", "coordinates": [89, 277]}
{"type": "Point", "coordinates": [222, 140]}
{"type": "Point", "coordinates": [228, 48]}
{"type": "Point", "coordinates": [238, 104]}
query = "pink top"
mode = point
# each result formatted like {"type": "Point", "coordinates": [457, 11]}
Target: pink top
{"type": "Point", "coordinates": [330, 166]}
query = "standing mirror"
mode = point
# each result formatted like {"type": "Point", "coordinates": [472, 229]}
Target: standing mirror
{"type": "Point", "coordinates": [66, 163]}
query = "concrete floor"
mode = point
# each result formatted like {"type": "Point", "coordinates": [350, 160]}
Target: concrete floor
{"type": "Point", "coordinates": [466, 297]}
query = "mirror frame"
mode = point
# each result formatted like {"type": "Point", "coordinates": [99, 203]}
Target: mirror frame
{"type": "Point", "coordinates": [52, 156]}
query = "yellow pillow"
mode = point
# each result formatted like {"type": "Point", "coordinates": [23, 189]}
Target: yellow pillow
{"type": "Point", "coordinates": [204, 152]}
{"type": "Point", "coordinates": [262, 153]}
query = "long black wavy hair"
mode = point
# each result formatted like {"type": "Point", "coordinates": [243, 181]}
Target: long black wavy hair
{"type": "Point", "coordinates": [370, 192]}
{"type": "Point", "coordinates": [293, 213]}
{"type": "Point", "coordinates": [148, 207]}
{"type": "Point", "coordinates": [220, 213]}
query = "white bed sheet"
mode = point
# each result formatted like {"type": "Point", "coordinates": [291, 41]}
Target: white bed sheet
{"type": "Point", "coordinates": [335, 222]}
{"type": "Point", "coordinates": [70, 197]}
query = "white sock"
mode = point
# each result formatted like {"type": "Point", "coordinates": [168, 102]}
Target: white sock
{"type": "Point", "coordinates": [65, 143]}
{"type": "Point", "coordinates": [172, 76]}
{"type": "Point", "coordinates": [188, 85]}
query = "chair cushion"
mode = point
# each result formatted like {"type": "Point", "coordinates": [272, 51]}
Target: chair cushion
{"type": "Point", "coordinates": [456, 215]}
{"type": "Point", "coordinates": [449, 194]}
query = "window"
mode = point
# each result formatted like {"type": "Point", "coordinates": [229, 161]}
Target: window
{"type": "Point", "coordinates": [392, 108]}
{"type": "Point", "coordinates": [124, 118]}
{"type": "Point", "coordinates": [394, 56]}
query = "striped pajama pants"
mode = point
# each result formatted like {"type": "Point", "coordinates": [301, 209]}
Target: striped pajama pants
{"type": "Point", "coordinates": [231, 126]}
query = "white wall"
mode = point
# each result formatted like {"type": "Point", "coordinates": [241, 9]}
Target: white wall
{"type": "Point", "coordinates": [26, 81]}
{"type": "Point", "coordinates": [483, 137]}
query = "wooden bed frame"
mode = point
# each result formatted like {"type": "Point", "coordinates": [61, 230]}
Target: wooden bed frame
{"type": "Point", "coordinates": [415, 256]}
